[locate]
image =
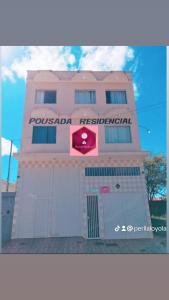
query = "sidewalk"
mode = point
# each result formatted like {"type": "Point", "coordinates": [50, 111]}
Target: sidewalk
{"type": "Point", "coordinates": [81, 245]}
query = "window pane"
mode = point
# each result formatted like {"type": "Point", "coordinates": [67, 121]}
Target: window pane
{"type": "Point", "coordinates": [45, 97]}
{"type": "Point", "coordinates": [39, 135]}
{"type": "Point", "coordinates": [122, 99]}
{"type": "Point", "coordinates": [50, 97]}
{"type": "Point", "coordinates": [116, 97]}
{"type": "Point", "coordinates": [44, 135]}
{"type": "Point", "coordinates": [111, 135]}
{"type": "Point", "coordinates": [39, 97]}
{"type": "Point", "coordinates": [118, 134]}
{"type": "Point", "coordinates": [108, 97]}
{"type": "Point", "coordinates": [124, 134]}
{"type": "Point", "coordinates": [51, 139]}
{"type": "Point", "coordinates": [85, 97]}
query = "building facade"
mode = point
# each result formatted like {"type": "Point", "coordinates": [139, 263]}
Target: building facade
{"type": "Point", "coordinates": [93, 196]}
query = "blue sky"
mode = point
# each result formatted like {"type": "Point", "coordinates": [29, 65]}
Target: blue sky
{"type": "Point", "coordinates": [147, 64]}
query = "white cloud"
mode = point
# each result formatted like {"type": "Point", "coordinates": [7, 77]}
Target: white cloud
{"type": "Point", "coordinates": [108, 58]}
{"type": "Point", "coordinates": [5, 147]}
{"type": "Point", "coordinates": [6, 52]}
{"type": "Point", "coordinates": [136, 90]}
{"type": "Point", "coordinates": [88, 48]}
{"type": "Point", "coordinates": [98, 58]}
{"type": "Point", "coordinates": [39, 58]}
{"type": "Point", "coordinates": [7, 74]}
{"type": "Point", "coordinates": [105, 58]}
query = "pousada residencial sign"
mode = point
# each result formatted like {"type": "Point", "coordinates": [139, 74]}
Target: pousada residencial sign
{"type": "Point", "coordinates": [82, 121]}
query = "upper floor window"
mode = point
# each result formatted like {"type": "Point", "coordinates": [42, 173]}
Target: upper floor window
{"type": "Point", "coordinates": [116, 97]}
{"type": "Point", "coordinates": [85, 97]}
{"type": "Point", "coordinates": [44, 135]}
{"type": "Point", "coordinates": [45, 96]}
{"type": "Point", "coordinates": [117, 134]}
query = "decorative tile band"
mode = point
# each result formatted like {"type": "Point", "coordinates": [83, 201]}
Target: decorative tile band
{"type": "Point", "coordinates": [79, 163]}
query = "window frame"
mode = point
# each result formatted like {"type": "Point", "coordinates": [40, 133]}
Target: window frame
{"type": "Point", "coordinates": [47, 134]}
{"type": "Point", "coordinates": [112, 171]}
{"type": "Point", "coordinates": [84, 90]}
{"type": "Point", "coordinates": [45, 90]}
{"type": "Point", "coordinates": [126, 98]}
{"type": "Point", "coordinates": [119, 142]}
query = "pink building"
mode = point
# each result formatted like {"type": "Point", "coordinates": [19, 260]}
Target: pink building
{"type": "Point", "coordinates": [91, 196]}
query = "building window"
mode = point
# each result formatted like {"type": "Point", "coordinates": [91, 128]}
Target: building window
{"type": "Point", "coordinates": [116, 97]}
{"type": "Point", "coordinates": [44, 135]}
{"type": "Point", "coordinates": [85, 97]}
{"type": "Point", "coordinates": [45, 97]}
{"type": "Point", "coordinates": [117, 134]}
{"type": "Point", "coordinates": [112, 171]}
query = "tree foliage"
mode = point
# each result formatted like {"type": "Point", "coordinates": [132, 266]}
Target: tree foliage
{"type": "Point", "coordinates": [155, 173]}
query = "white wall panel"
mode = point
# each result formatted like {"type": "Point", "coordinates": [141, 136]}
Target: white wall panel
{"type": "Point", "coordinates": [25, 217]}
{"type": "Point", "coordinates": [41, 217]}
{"type": "Point", "coordinates": [66, 214]}
{"type": "Point", "coordinates": [48, 203]}
{"type": "Point", "coordinates": [124, 209]}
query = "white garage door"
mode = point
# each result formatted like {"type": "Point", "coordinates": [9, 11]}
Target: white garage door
{"type": "Point", "coordinates": [49, 203]}
{"type": "Point", "coordinates": [123, 209]}
{"type": "Point", "coordinates": [65, 206]}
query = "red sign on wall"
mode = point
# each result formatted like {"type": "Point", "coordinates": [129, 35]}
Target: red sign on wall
{"type": "Point", "coordinates": [84, 140]}
{"type": "Point", "coordinates": [104, 189]}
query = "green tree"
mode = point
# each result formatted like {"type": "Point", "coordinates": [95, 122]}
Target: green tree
{"type": "Point", "coordinates": [155, 173]}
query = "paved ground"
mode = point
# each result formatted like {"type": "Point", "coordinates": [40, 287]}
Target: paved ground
{"type": "Point", "coordinates": [80, 245]}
